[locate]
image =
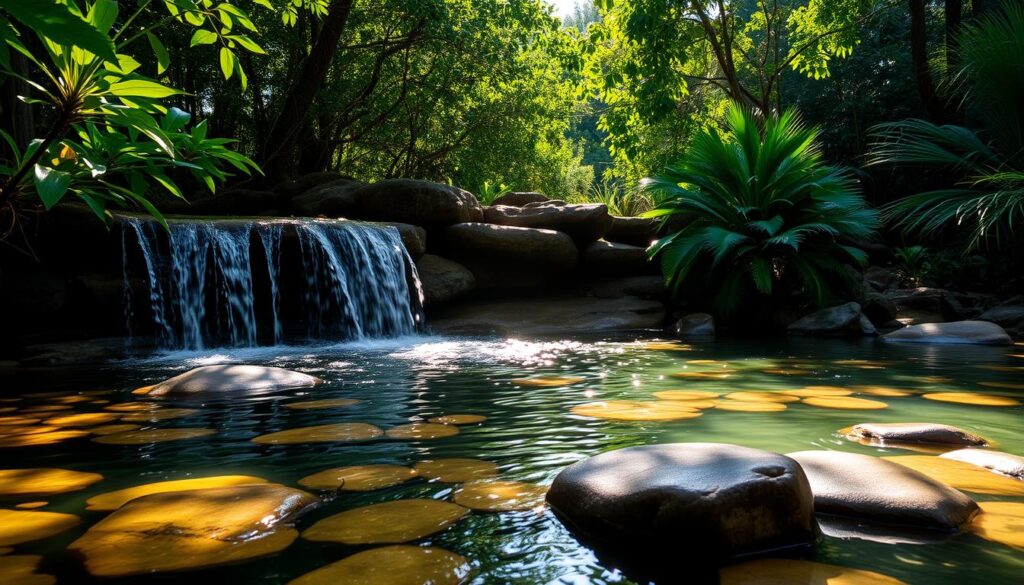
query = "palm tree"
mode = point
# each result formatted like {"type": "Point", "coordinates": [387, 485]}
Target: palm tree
{"type": "Point", "coordinates": [988, 200]}
{"type": "Point", "coordinates": [764, 219]}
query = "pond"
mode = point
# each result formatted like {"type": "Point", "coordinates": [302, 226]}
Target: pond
{"type": "Point", "coordinates": [530, 433]}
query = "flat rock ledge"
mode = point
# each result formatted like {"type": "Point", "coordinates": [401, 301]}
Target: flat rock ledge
{"type": "Point", "coordinates": [706, 502]}
{"type": "Point", "coordinates": [997, 461]}
{"type": "Point", "coordinates": [871, 489]}
{"type": "Point", "coordinates": [973, 332]}
{"type": "Point", "coordinates": [928, 433]}
{"type": "Point", "coordinates": [231, 378]}
{"type": "Point", "coordinates": [548, 316]}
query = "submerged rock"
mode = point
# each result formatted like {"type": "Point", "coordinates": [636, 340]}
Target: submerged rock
{"type": "Point", "coordinates": [997, 461]}
{"type": "Point", "coordinates": [393, 565]}
{"type": "Point", "coordinates": [914, 433]}
{"type": "Point", "coordinates": [584, 222]}
{"type": "Point", "coordinates": [970, 332]}
{"type": "Point", "coordinates": [838, 321]}
{"type": "Point", "coordinates": [443, 280]}
{"type": "Point", "coordinates": [694, 325]}
{"type": "Point", "coordinates": [706, 501]}
{"type": "Point", "coordinates": [232, 378]}
{"type": "Point", "coordinates": [875, 490]}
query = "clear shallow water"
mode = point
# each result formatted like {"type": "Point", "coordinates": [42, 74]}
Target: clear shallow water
{"type": "Point", "coordinates": [530, 433]}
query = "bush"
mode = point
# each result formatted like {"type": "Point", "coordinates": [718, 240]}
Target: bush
{"type": "Point", "coordinates": [764, 220]}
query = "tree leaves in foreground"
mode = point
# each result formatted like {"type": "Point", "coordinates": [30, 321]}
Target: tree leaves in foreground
{"type": "Point", "coordinates": [988, 200]}
{"type": "Point", "coordinates": [765, 223]}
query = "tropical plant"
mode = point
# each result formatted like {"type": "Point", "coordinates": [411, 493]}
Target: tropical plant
{"type": "Point", "coordinates": [488, 191]}
{"type": "Point", "coordinates": [913, 262]}
{"type": "Point", "coordinates": [110, 139]}
{"type": "Point", "coordinates": [620, 200]}
{"type": "Point", "coordinates": [765, 222]}
{"type": "Point", "coordinates": [988, 199]}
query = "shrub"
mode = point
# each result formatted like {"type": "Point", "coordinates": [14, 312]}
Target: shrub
{"type": "Point", "coordinates": [764, 221]}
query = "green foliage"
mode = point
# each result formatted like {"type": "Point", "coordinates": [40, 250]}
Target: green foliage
{"type": "Point", "coordinates": [765, 222]}
{"type": "Point", "coordinates": [487, 192]}
{"type": "Point", "coordinates": [989, 198]}
{"type": "Point", "coordinates": [913, 262]}
{"type": "Point", "coordinates": [112, 140]}
{"type": "Point", "coordinates": [623, 201]}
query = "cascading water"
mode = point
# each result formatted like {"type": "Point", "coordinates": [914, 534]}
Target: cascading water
{"type": "Point", "coordinates": [225, 283]}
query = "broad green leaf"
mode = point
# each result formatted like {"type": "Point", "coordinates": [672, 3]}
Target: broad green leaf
{"type": "Point", "coordinates": [58, 23]}
{"type": "Point", "coordinates": [103, 14]}
{"type": "Point", "coordinates": [142, 88]}
{"type": "Point", "coordinates": [203, 37]}
{"type": "Point", "coordinates": [227, 62]}
{"type": "Point", "coordinates": [51, 185]}
{"type": "Point", "coordinates": [163, 60]}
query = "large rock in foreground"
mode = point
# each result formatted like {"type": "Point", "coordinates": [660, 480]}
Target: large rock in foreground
{"type": "Point", "coordinates": [969, 332]}
{"type": "Point", "coordinates": [635, 231]}
{"type": "Point", "coordinates": [584, 222]}
{"type": "Point", "coordinates": [607, 259]}
{"type": "Point", "coordinates": [930, 433]}
{"type": "Point", "coordinates": [417, 202]}
{"type": "Point", "coordinates": [705, 501]}
{"type": "Point", "coordinates": [549, 316]}
{"type": "Point", "coordinates": [231, 378]}
{"type": "Point", "coordinates": [838, 321]}
{"type": "Point", "coordinates": [333, 199]}
{"type": "Point", "coordinates": [875, 490]}
{"type": "Point", "coordinates": [442, 279]}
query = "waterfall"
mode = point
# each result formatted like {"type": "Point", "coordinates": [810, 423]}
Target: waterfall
{"type": "Point", "coordinates": [242, 283]}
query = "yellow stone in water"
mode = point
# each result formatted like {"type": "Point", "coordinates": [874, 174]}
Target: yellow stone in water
{"type": "Point", "coordinates": [9, 409]}
{"type": "Point", "coordinates": [548, 381]}
{"type": "Point", "coordinates": [809, 391]}
{"type": "Point", "coordinates": [99, 402]}
{"type": "Point", "coordinates": [111, 429]}
{"type": "Point", "coordinates": [687, 395]}
{"type": "Point", "coordinates": [17, 420]}
{"type": "Point", "coordinates": [753, 396]}
{"type": "Point", "coordinates": [43, 438]}
{"type": "Point", "coordinates": [714, 375]}
{"type": "Point", "coordinates": [881, 391]}
{"type": "Point", "coordinates": [146, 437]}
{"type": "Point", "coordinates": [458, 419]}
{"type": "Point", "coordinates": [975, 398]}
{"type": "Point", "coordinates": [795, 572]}
{"type": "Point", "coordinates": [500, 496]}
{"type": "Point", "coordinates": [31, 505]}
{"type": "Point", "coordinates": [17, 527]}
{"type": "Point", "coordinates": [46, 408]}
{"type": "Point", "coordinates": [784, 372]}
{"type": "Point", "coordinates": [845, 403]}
{"type": "Point", "coordinates": [1001, 522]}
{"type": "Point", "coordinates": [84, 419]}
{"type": "Point", "coordinates": [97, 392]}
{"type": "Point", "coordinates": [158, 415]}
{"type": "Point", "coordinates": [667, 346]}
{"type": "Point", "coordinates": [143, 390]}
{"type": "Point", "coordinates": [393, 565]}
{"type": "Point", "coordinates": [332, 433]}
{"type": "Point", "coordinates": [6, 550]}
{"type": "Point", "coordinates": [21, 570]}
{"type": "Point", "coordinates": [698, 404]}
{"type": "Point", "coordinates": [936, 379]}
{"type": "Point", "coordinates": [387, 523]}
{"type": "Point", "coordinates": [44, 481]}
{"type": "Point", "coordinates": [358, 478]}
{"type": "Point", "coordinates": [76, 399]}
{"type": "Point", "coordinates": [1006, 385]}
{"type": "Point", "coordinates": [134, 407]}
{"type": "Point", "coordinates": [638, 410]}
{"type": "Point", "coordinates": [113, 500]}
{"type": "Point", "coordinates": [750, 406]}
{"type": "Point", "coordinates": [192, 529]}
{"type": "Point", "coordinates": [421, 431]}
{"type": "Point", "coordinates": [703, 362]}
{"type": "Point", "coordinates": [996, 368]}
{"type": "Point", "coordinates": [325, 403]}
{"type": "Point", "coordinates": [962, 476]}
{"type": "Point", "coordinates": [456, 470]}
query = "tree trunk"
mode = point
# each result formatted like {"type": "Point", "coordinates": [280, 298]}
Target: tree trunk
{"type": "Point", "coordinates": [919, 55]}
{"type": "Point", "coordinates": [279, 149]}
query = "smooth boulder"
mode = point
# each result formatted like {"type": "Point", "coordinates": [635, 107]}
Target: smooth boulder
{"type": "Point", "coordinates": [608, 259]}
{"type": "Point", "coordinates": [583, 222]}
{"type": "Point", "coordinates": [875, 490]}
{"type": "Point", "coordinates": [709, 502]}
{"type": "Point", "coordinates": [966, 332]}
{"type": "Point", "coordinates": [414, 238]}
{"type": "Point", "coordinates": [510, 256]}
{"type": "Point", "coordinates": [333, 199]}
{"type": "Point", "coordinates": [694, 325]}
{"type": "Point", "coordinates": [915, 433]}
{"type": "Point", "coordinates": [232, 378]}
{"type": "Point", "coordinates": [997, 461]}
{"type": "Point", "coordinates": [839, 321]}
{"type": "Point", "coordinates": [520, 198]}
{"type": "Point", "coordinates": [635, 231]}
{"type": "Point", "coordinates": [417, 202]}
{"type": "Point", "coordinates": [443, 280]}
{"type": "Point", "coordinates": [1007, 316]}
